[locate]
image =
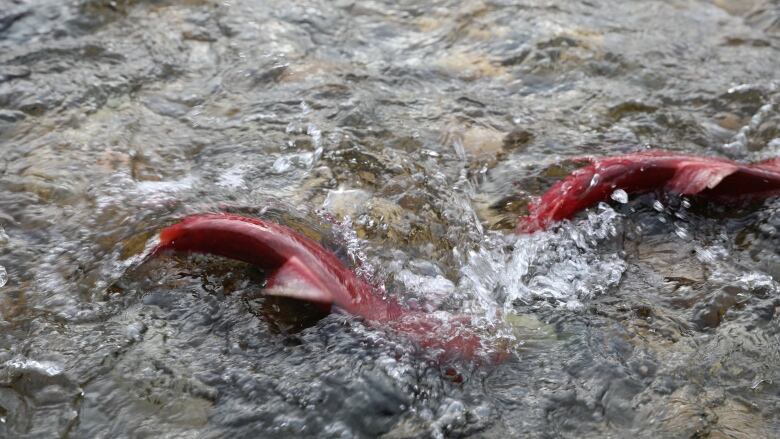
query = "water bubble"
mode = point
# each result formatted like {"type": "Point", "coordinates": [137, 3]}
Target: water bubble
{"type": "Point", "coordinates": [595, 180]}
{"type": "Point", "coordinates": [620, 196]}
{"type": "Point", "coordinates": [657, 205]}
{"type": "Point", "coordinates": [282, 164]}
{"type": "Point", "coordinates": [686, 204]}
{"type": "Point", "coordinates": [3, 276]}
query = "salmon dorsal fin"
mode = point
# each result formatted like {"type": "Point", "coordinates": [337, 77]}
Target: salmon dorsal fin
{"type": "Point", "coordinates": [297, 281]}
{"type": "Point", "coordinates": [693, 177]}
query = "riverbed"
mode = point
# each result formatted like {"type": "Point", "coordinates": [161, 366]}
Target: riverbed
{"type": "Point", "coordinates": [407, 137]}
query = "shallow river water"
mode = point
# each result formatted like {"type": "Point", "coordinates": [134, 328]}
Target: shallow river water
{"type": "Point", "coordinates": [407, 137]}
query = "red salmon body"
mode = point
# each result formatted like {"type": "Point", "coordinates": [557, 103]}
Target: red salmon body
{"type": "Point", "coordinates": [648, 171]}
{"type": "Point", "coordinates": [302, 269]}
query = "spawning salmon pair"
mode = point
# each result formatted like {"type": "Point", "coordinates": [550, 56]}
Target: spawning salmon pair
{"type": "Point", "coordinates": [301, 268]}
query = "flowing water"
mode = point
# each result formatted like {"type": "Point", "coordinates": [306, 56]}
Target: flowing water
{"type": "Point", "coordinates": [407, 137]}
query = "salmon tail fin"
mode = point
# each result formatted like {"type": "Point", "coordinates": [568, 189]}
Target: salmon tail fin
{"type": "Point", "coordinates": [692, 178]}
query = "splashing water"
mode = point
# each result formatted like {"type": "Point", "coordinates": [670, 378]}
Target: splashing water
{"type": "Point", "coordinates": [620, 196]}
{"type": "Point", "coordinates": [566, 265]}
{"type": "Point", "coordinates": [118, 118]}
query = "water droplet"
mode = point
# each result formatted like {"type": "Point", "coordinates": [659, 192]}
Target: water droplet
{"type": "Point", "coordinates": [657, 205]}
{"type": "Point", "coordinates": [620, 196]}
{"type": "Point", "coordinates": [595, 180]}
{"type": "Point", "coordinates": [282, 164]}
{"type": "Point", "coordinates": [686, 204]}
{"type": "Point", "coordinates": [3, 276]}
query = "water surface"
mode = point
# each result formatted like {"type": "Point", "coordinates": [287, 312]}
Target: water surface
{"type": "Point", "coordinates": [407, 137]}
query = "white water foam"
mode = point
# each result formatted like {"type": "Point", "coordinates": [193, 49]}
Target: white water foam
{"type": "Point", "coordinates": [563, 266]}
{"type": "Point", "coordinates": [738, 146]}
{"type": "Point", "coordinates": [233, 177]}
{"type": "Point", "coordinates": [21, 364]}
{"type": "Point", "coordinates": [122, 187]}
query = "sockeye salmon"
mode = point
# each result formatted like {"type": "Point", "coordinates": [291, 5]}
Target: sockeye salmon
{"type": "Point", "coordinates": [709, 177]}
{"type": "Point", "coordinates": [301, 268]}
